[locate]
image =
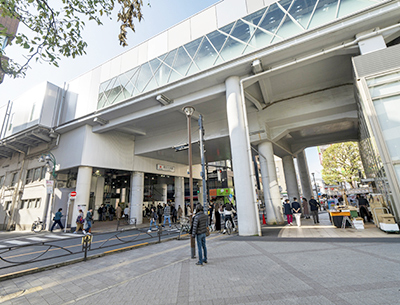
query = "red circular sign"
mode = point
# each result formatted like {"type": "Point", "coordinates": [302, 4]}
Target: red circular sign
{"type": "Point", "coordinates": [73, 194]}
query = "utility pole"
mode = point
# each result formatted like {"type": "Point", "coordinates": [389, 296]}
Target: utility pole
{"type": "Point", "coordinates": [203, 165]}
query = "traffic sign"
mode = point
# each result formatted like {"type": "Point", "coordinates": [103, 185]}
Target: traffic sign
{"type": "Point", "coordinates": [72, 194]}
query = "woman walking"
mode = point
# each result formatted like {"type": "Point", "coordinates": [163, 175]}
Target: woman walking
{"type": "Point", "coordinates": [287, 210]}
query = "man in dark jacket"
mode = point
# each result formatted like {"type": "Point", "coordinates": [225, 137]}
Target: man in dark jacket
{"type": "Point", "coordinates": [314, 205]}
{"type": "Point", "coordinates": [199, 231]}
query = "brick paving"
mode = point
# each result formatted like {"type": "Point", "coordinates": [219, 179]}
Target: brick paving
{"type": "Point", "coordinates": [240, 271]}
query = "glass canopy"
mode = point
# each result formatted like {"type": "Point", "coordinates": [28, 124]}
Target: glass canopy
{"type": "Point", "coordinates": [277, 22]}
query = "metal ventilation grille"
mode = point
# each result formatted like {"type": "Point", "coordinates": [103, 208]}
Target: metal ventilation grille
{"type": "Point", "coordinates": [376, 62]}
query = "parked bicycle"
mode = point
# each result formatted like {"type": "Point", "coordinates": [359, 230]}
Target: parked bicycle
{"type": "Point", "coordinates": [38, 226]}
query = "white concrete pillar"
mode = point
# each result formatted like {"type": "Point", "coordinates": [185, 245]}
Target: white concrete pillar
{"type": "Point", "coordinates": [136, 200]}
{"type": "Point", "coordinates": [270, 182]}
{"type": "Point", "coordinates": [290, 178]}
{"type": "Point", "coordinates": [272, 196]}
{"type": "Point", "coordinates": [83, 182]}
{"type": "Point", "coordinates": [241, 156]}
{"type": "Point", "coordinates": [304, 175]}
{"type": "Point", "coordinates": [180, 193]}
{"type": "Point", "coordinates": [99, 193]}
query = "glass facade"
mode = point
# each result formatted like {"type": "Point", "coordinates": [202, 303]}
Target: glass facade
{"type": "Point", "coordinates": [272, 24]}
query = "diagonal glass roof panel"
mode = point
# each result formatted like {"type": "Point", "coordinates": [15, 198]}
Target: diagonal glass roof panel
{"type": "Point", "coordinates": [162, 57]}
{"type": "Point", "coordinates": [193, 69]}
{"type": "Point", "coordinates": [144, 77]}
{"type": "Point", "coordinates": [260, 39]}
{"type": "Point", "coordinates": [130, 88]}
{"type": "Point", "coordinates": [174, 76]}
{"type": "Point", "coordinates": [227, 29]}
{"type": "Point", "coordinates": [169, 60]}
{"type": "Point", "coordinates": [102, 101]}
{"type": "Point", "coordinates": [288, 28]}
{"type": "Point", "coordinates": [182, 61]}
{"type": "Point", "coordinates": [152, 84]}
{"type": "Point", "coordinates": [301, 11]}
{"type": "Point", "coordinates": [255, 17]}
{"type": "Point", "coordinates": [272, 19]}
{"type": "Point", "coordinates": [242, 31]}
{"type": "Point", "coordinates": [154, 64]}
{"type": "Point", "coordinates": [232, 49]}
{"type": "Point", "coordinates": [285, 3]}
{"type": "Point", "coordinates": [324, 13]}
{"type": "Point", "coordinates": [129, 74]}
{"type": "Point", "coordinates": [217, 39]}
{"type": "Point", "coordinates": [349, 6]}
{"type": "Point", "coordinates": [206, 55]}
{"type": "Point", "coordinates": [162, 74]}
{"type": "Point", "coordinates": [193, 46]}
{"type": "Point", "coordinates": [103, 86]}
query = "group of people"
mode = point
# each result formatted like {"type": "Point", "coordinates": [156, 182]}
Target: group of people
{"type": "Point", "coordinates": [167, 210]}
{"type": "Point", "coordinates": [219, 214]}
{"type": "Point", "coordinates": [294, 208]}
{"type": "Point", "coordinates": [105, 211]}
{"type": "Point", "coordinates": [81, 220]}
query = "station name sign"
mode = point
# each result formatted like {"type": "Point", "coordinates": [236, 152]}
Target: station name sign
{"type": "Point", "coordinates": [165, 168]}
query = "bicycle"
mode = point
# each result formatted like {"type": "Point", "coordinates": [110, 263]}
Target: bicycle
{"type": "Point", "coordinates": [38, 226]}
{"type": "Point", "coordinates": [229, 226]}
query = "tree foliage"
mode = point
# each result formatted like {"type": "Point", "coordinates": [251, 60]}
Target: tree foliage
{"type": "Point", "coordinates": [341, 163]}
{"type": "Point", "coordinates": [57, 27]}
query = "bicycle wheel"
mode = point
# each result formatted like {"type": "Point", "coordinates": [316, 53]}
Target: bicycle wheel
{"type": "Point", "coordinates": [37, 227]}
{"type": "Point", "coordinates": [229, 227]}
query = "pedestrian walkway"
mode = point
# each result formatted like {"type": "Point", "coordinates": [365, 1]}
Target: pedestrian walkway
{"type": "Point", "coordinates": [325, 229]}
{"type": "Point", "coordinates": [246, 271]}
{"type": "Point", "coordinates": [32, 238]}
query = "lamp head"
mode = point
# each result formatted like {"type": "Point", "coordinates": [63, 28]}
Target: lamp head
{"type": "Point", "coordinates": [189, 110]}
{"type": "Point", "coordinates": [48, 158]}
{"type": "Point", "coordinates": [41, 159]}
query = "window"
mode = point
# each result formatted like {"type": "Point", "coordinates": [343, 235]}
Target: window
{"type": "Point", "coordinates": [37, 174]}
{"type": "Point", "coordinates": [31, 203]}
{"type": "Point", "coordinates": [2, 178]}
{"type": "Point", "coordinates": [8, 205]}
{"type": "Point", "coordinates": [14, 179]}
{"type": "Point", "coordinates": [22, 204]}
{"type": "Point", "coordinates": [43, 175]}
{"type": "Point", "coordinates": [29, 176]}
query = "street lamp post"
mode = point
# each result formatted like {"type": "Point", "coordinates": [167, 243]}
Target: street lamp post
{"type": "Point", "coordinates": [189, 110]}
{"type": "Point", "coordinates": [315, 187]}
{"type": "Point", "coordinates": [49, 158]}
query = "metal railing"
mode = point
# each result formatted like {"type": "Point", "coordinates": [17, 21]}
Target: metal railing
{"type": "Point", "coordinates": [41, 251]}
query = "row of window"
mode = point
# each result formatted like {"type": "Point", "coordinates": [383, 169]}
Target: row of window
{"type": "Point", "coordinates": [25, 204]}
{"type": "Point", "coordinates": [33, 174]}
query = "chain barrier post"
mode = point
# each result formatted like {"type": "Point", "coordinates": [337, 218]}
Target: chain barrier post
{"type": "Point", "coordinates": [86, 244]}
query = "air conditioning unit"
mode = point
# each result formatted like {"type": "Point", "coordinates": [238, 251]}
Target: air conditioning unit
{"type": "Point", "coordinates": [61, 184]}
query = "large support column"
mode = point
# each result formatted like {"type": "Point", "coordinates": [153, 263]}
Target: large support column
{"type": "Point", "coordinates": [304, 175]}
{"type": "Point", "coordinates": [136, 200]}
{"type": "Point", "coordinates": [272, 196]}
{"type": "Point", "coordinates": [99, 194]}
{"type": "Point", "coordinates": [83, 182]}
{"type": "Point", "coordinates": [241, 156]}
{"type": "Point", "coordinates": [180, 193]}
{"type": "Point", "coordinates": [290, 177]}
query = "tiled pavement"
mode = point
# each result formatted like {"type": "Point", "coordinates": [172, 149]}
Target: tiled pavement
{"type": "Point", "coordinates": [245, 271]}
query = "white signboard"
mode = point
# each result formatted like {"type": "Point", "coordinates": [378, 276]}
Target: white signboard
{"type": "Point", "coordinates": [166, 168]}
{"type": "Point", "coordinates": [49, 186]}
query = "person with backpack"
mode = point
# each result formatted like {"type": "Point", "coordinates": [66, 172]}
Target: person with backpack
{"type": "Point", "coordinates": [111, 212]}
{"type": "Point", "coordinates": [153, 219]}
{"type": "Point", "coordinates": [89, 219]}
{"type": "Point", "coordinates": [79, 222]}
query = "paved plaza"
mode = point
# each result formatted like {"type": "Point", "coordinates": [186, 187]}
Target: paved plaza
{"type": "Point", "coordinates": [240, 270]}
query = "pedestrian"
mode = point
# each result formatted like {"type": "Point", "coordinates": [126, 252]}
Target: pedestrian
{"type": "Point", "coordinates": [180, 213]}
{"type": "Point", "coordinates": [287, 210]}
{"type": "Point", "coordinates": [363, 204]}
{"type": "Point", "coordinates": [126, 212]}
{"type": "Point", "coordinates": [305, 208]}
{"type": "Point", "coordinates": [119, 212]}
{"type": "Point", "coordinates": [57, 220]}
{"type": "Point", "coordinates": [89, 220]}
{"type": "Point", "coordinates": [296, 211]}
{"type": "Point", "coordinates": [80, 220]}
{"type": "Point", "coordinates": [314, 205]}
{"type": "Point", "coordinates": [159, 213]}
{"type": "Point", "coordinates": [210, 211]}
{"type": "Point", "coordinates": [111, 212]}
{"type": "Point", "coordinates": [167, 214]}
{"type": "Point", "coordinates": [153, 218]}
{"type": "Point", "coordinates": [228, 215]}
{"type": "Point", "coordinates": [100, 212]}
{"type": "Point", "coordinates": [174, 213]}
{"type": "Point", "coordinates": [199, 232]}
{"type": "Point", "coordinates": [217, 217]}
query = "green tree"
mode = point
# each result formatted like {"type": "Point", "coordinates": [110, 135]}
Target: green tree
{"type": "Point", "coordinates": [341, 162]}
{"type": "Point", "coordinates": [54, 28]}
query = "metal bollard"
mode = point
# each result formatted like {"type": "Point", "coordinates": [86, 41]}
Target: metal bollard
{"type": "Point", "coordinates": [86, 244]}
{"type": "Point", "coordinates": [159, 231]}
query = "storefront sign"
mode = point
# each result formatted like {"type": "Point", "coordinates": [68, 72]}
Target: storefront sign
{"type": "Point", "coordinates": [49, 186]}
{"type": "Point", "coordinates": [166, 168]}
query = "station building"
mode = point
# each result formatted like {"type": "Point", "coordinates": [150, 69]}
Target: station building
{"type": "Point", "coordinates": [269, 78]}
